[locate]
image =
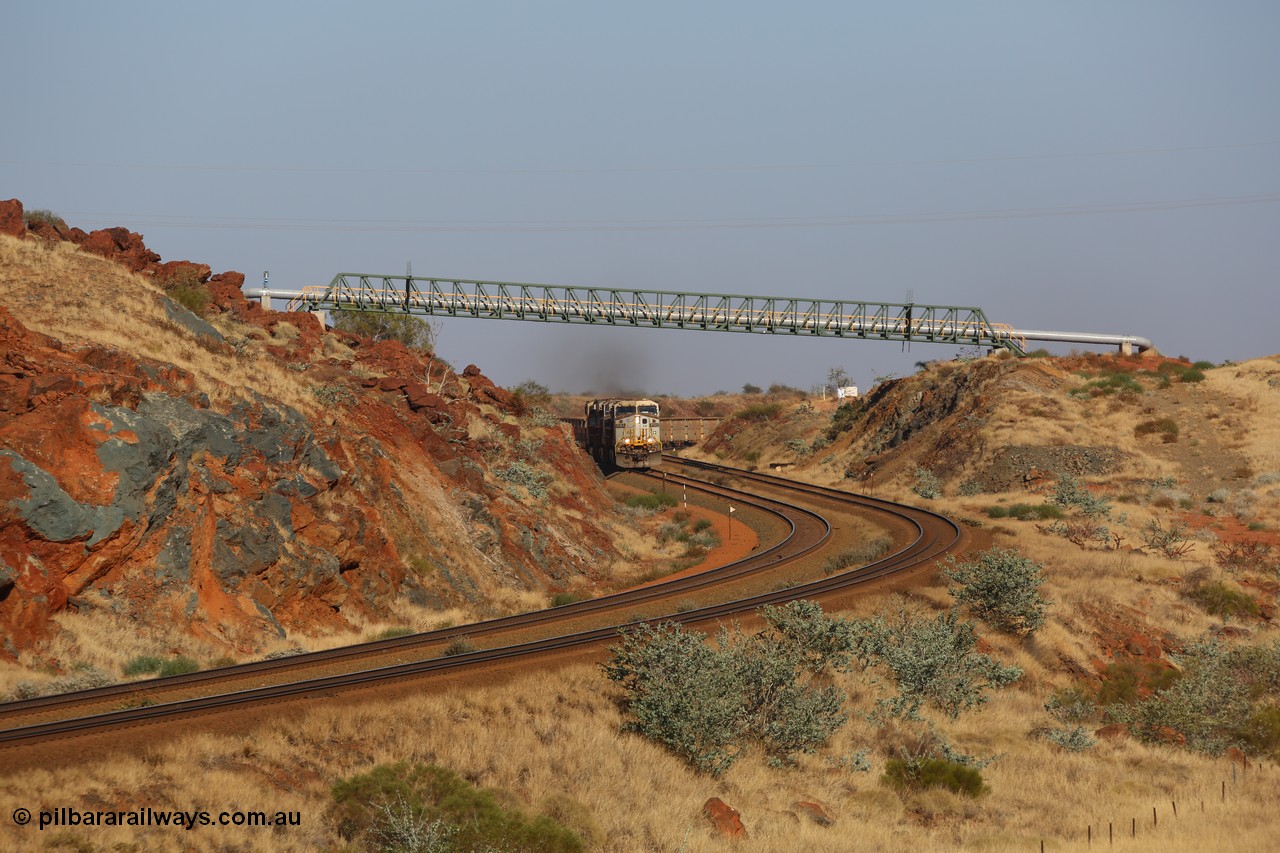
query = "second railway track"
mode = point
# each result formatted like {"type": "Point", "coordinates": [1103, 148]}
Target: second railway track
{"type": "Point", "coordinates": [392, 661]}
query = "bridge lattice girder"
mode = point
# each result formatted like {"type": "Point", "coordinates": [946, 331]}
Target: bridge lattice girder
{"type": "Point", "coordinates": [718, 312]}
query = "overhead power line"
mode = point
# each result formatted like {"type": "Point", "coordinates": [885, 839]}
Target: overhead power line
{"type": "Point", "coordinates": [438, 225]}
{"type": "Point", "coordinates": [634, 169]}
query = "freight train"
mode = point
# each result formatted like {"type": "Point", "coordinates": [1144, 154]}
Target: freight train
{"type": "Point", "coordinates": [622, 433]}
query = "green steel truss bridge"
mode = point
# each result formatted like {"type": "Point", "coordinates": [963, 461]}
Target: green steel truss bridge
{"type": "Point", "coordinates": [656, 309]}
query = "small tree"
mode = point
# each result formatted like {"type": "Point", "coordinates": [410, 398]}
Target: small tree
{"type": "Point", "coordinates": [409, 330]}
{"type": "Point", "coordinates": [750, 389]}
{"type": "Point", "coordinates": [1070, 493]}
{"type": "Point", "coordinates": [1208, 705]}
{"type": "Point", "coordinates": [533, 392]}
{"type": "Point", "coordinates": [1002, 588]}
{"type": "Point", "coordinates": [1173, 541]}
{"type": "Point", "coordinates": [680, 692]}
{"type": "Point", "coordinates": [708, 705]}
{"type": "Point", "coordinates": [927, 486]}
{"type": "Point", "coordinates": [931, 662]}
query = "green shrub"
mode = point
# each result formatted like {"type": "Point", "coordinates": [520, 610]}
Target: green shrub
{"type": "Point", "coordinates": [179, 666]}
{"type": "Point", "coordinates": [1069, 493]}
{"type": "Point", "coordinates": [930, 661]}
{"type": "Point", "coordinates": [1071, 705]}
{"type": "Point", "coordinates": [1261, 732]}
{"type": "Point", "coordinates": [532, 394]}
{"type": "Point", "coordinates": [1071, 738]}
{"type": "Point", "coordinates": [531, 479]}
{"type": "Point", "coordinates": [1128, 681]}
{"type": "Point", "coordinates": [651, 500]}
{"type": "Point", "coordinates": [1209, 705]}
{"type": "Point", "coordinates": [1184, 372]}
{"type": "Point", "coordinates": [1002, 588]}
{"type": "Point", "coordinates": [1222, 600]}
{"type": "Point", "coordinates": [430, 808]}
{"type": "Point", "coordinates": [460, 646]}
{"type": "Point", "coordinates": [709, 705]}
{"type": "Point", "coordinates": [408, 329]}
{"type": "Point", "coordinates": [844, 418]}
{"type": "Point", "coordinates": [927, 484]}
{"type": "Point", "coordinates": [925, 773]}
{"type": "Point", "coordinates": [1039, 512]}
{"type": "Point", "coordinates": [798, 446]}
{"type": "Point", "coordinates": [859, 555]}
{"type": "Point", "coordinates": [30, 217]}
{"type": "Point", "coordinates": [560, 599]}
{"type": "Point", "coordinates": [1109, 382]}
{"type": "Point", "coordinates": [332, 395]}
{"type": "Point", "coordinates": [142, 665]}
{"type": "Point", "coordinates": [759, 412]}
{"type": "Point", "coordinates": [393, 633]}
{"type": "Point", "coordinates": [83, 677]}
{"type": "Point", "coordinates": [1025, 512]}
{"type": "Point", "coordinates": [194, 297]}
{"type": "Point", "coordinates": [1163, 425]}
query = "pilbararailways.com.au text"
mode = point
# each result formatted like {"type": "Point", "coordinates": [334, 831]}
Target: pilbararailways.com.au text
{"type": "Point", "coordinates": [178, 818]}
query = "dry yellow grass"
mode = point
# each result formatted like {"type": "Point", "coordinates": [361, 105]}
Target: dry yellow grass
{"type": "Point", "coordinates": [112, 307]}
{"type": "Point", "coordinates": [1254, 392]}
{"type": "Point", "coordinates": [538, 737]}
{"type": "Point", "coordinates": [545, 735]}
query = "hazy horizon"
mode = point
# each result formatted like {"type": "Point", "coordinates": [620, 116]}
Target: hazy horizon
{"type": "Point", "coordinates": [1086, 167]}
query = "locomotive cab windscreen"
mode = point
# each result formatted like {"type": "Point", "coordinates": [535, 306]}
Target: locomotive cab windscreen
{"type": "Point", "coordinates": [625, 433]}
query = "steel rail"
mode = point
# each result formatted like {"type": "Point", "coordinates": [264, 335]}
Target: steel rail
{"type": "Point", "coordinates": [805, 530]}
{"type": "Point", "coordinates": [935, 535]}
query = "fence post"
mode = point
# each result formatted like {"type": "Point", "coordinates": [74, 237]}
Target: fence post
{"type": "Point", "coordinates": [1175, 807]}
{"type": "Point", "coordinates": [1155, 818]}
{"type": "Point", "coordinates": [1133, 831]}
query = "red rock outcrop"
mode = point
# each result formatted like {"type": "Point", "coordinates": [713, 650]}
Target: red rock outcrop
{"type": "Point", "coordinates": [121, 486]}
{"type": "Point", "coordinates": [11, 218]}
{"type": "Point", "coordinates": [724, 818]}
{"type": "Point", "coordinates": [814, 811]}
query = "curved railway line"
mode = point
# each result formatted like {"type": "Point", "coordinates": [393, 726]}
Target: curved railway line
{"type": "Point", "coordinates": [581, 626]}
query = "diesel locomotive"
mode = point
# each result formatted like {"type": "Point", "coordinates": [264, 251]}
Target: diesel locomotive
{"type": "Point", "coordinates": [623, 433]}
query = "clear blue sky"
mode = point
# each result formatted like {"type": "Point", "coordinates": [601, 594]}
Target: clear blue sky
{"type": "Point", "coordinates": [611, 144]}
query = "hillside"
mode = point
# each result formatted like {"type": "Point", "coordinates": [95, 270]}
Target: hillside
{"type": "Point", "coordinates": [328, 484]}
{"type": "Point", "coordinates": [249, 476]}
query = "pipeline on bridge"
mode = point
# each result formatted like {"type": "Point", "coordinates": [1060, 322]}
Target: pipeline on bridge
{"type": "Point", "coordinates": [953, 324]}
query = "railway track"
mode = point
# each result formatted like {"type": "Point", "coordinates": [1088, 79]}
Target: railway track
{"type": "Point", "coordinates": [391, 661]}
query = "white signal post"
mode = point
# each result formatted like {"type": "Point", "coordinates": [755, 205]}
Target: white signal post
{"type": "Point", "coordinates": [730, 523]}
